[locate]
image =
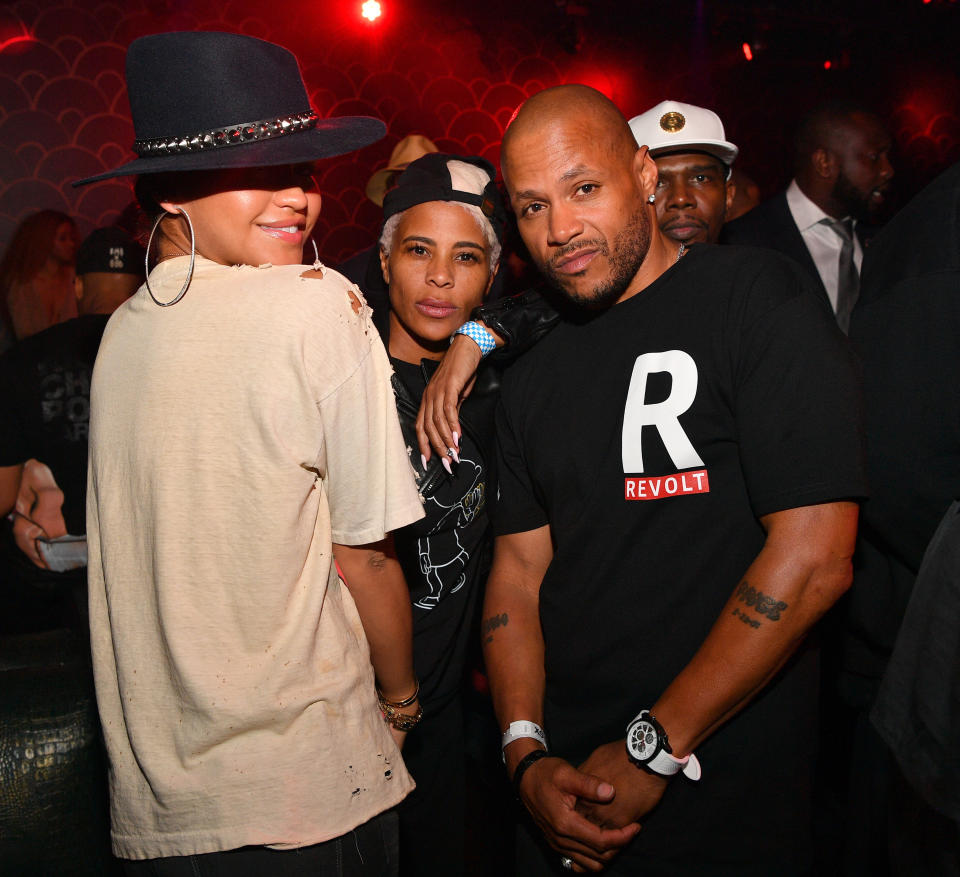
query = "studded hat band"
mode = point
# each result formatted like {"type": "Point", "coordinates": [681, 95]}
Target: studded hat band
{"type": "Point", "coordinates": [233, 135]}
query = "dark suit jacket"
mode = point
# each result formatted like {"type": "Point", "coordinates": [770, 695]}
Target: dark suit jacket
{"type": "Point", "coordinates": [771, 225]}
{"type": "Point", "coordinates": [905, 327]}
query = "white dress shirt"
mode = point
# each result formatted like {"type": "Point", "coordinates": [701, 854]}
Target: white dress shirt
{"type": "Point", "coordinates": [823, 242]}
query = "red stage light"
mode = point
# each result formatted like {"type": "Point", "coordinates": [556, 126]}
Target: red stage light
{"type": "Point", "coordinates": [13, 33]}
{"type": "Point", "coordinates": [747, 51]}
{"type": "Point", "coordinates": [371, 10]}
{"type": "Point", "coordinates": [827, 65]}
{"type": "Point", "coordinates": [20, 38]}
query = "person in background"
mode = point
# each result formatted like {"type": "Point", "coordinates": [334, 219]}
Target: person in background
{"type": "Point", "coordinates": [244, 449]}
{"type": "Point", "coordinates": [45, 397]}
{"type": "Point", "coordinates": [903, 809]}
{"type": "Point", "coordinates": [36, 274]}
{"type": "Point", "coordinates": [439, 251]}
{"type": "Point", "coordinates": [694, 164]}
{"type": "Point", "coordinates": [407, 151]}
{"type": "Point", "coordinates": [841, 187]}
{"type": "Point", "coordinates": [746, 194]}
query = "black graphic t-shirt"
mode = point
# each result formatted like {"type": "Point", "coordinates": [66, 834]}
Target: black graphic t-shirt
{"type": "Point", "coordinates": [652, 438]}
{"type": "Point", "coordinates": [446, 555]}
{"type": "Point", "coordinates": [45, 395]}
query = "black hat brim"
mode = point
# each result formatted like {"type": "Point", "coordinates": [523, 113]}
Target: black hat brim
{"type": "Point", "coordinates": [328, 139]}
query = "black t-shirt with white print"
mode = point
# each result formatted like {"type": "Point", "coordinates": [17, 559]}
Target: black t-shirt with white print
{"type": "Point", "coordinates": [45, 392]}
{"type": "Point", "coordinates": [652, 438]}
{"type": "Point", "coordinates": [445, 555]}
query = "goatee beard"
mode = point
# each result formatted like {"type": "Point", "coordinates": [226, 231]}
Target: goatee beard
{"type": "Point", "coordinates": [629, 249]}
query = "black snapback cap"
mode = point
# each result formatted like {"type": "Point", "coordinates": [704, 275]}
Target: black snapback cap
{"type": "Point", "coordinates": [110, 250]}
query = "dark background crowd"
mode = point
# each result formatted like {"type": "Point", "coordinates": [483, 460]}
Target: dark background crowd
{"type": "Point", "coordinates": [455, 73]}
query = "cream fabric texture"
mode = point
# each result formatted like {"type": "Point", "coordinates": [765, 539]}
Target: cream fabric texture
{"type": "Point", "coordinates": [234, 437]}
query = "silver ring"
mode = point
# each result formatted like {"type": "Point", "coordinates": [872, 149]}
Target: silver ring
{"type": "Point", "coordinates": [567, 862]}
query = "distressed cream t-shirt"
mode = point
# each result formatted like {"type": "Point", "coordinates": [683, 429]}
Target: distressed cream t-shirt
{"type": "Point", "coordinates": [234, 437]}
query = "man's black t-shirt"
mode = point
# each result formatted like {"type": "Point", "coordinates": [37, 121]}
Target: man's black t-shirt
{"type": "Point", "coordinates": [652, 438]}
{"type": "Point", "coordinates": [45, 392]}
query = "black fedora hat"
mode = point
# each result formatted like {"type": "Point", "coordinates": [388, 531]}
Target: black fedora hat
{"type": "Point", "coordinates": [205, 100]}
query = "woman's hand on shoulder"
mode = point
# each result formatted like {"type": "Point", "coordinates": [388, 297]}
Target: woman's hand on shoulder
{"type": "Point", "coordinates": [438, 421]}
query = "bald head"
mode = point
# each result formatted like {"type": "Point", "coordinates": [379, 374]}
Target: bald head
{"type": "Point", "coordinates": [583, 195]}
{"type": "Point", "coordinates": [584, 108]}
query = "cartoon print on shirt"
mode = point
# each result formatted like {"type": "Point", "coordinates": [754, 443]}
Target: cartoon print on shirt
{"type": "Point", "coordinates": [443, 561]}
{"type": "Point", "coordinates": [665, 417]}
{"type": "Point", "coordinates": [434, 572]}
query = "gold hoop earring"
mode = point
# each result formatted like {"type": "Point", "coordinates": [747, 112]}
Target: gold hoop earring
{"type": "Point", "coordinates": [193, 255]}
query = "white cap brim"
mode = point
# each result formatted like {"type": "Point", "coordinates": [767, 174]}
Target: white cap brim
{"type": "Point", "coordinates": [721, 149]}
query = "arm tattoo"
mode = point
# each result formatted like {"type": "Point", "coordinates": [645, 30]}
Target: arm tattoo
{"type": "Point", "coordinates": [760, 602]}
{"type": "Point", "coordinates": [491, 624]}
{"type": "Point", "coordinates": [753, 622]}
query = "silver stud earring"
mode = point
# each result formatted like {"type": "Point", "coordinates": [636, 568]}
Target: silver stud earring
{"type": "Point", "coordinates": [651, 199]}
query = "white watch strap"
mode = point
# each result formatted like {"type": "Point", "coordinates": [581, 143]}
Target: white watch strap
{"type": "Point", "coordinates": [667, 765]}
{"type": "Point", "coordinates": [519, 730]}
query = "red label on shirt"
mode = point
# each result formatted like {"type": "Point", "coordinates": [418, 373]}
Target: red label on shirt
{"type": "Point", "coordinates": [681, 484]}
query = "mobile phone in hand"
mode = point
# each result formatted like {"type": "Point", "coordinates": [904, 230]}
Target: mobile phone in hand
{"type": "Point", "coordinates": [64, 552]}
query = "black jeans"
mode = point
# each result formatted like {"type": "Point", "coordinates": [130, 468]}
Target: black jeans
{"type": "Point", "coordinates": [370, 850]}
{"type": "Point", "coordinates": [433, 816]}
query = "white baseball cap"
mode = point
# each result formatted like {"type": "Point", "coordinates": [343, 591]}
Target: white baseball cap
{"type": "Point", "coordinates": [671, 126]}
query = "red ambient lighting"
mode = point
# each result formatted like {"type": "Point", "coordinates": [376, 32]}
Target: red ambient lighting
{"type": "Point", "coordinates": [13, 36]}
{"type": "Point", "coordinates": [747, 51]}
{"type": "Point", "coordinates": [371, 10]}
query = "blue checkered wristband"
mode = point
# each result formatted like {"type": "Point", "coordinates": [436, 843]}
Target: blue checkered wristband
{"type": "Point", "coordinates": [483, 338]}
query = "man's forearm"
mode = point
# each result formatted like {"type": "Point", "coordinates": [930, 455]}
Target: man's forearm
{"type": "Point", "coordinates": [513, 644]}
{"type": "Point", "coordinates": [373, 575]}
{"type": "Point", "coordinates": [802, 570]}
{"type": "Point", "coordinates": [513, 653]}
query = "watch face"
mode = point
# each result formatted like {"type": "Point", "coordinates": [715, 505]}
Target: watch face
{"type": "Point", "coordinates": [642, 741]}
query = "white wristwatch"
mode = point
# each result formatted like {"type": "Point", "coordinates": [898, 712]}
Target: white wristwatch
{"type": "Point", "coordinates": [519, 730]}
{"type": "Point", "coordinates": [648, 747]}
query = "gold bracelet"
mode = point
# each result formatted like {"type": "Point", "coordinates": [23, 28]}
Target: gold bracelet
{"type": "Point", "coordinates": [399, 704]}
{"type": "Point", "coordinates": [400, 721]}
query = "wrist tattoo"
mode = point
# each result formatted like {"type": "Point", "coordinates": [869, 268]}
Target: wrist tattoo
{"type": "Point", "coordinates": [491, 624]}
{"type": "Point", "coordinates": [760, 602]}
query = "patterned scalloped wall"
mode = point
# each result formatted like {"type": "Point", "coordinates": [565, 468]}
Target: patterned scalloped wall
{"type": "Point", "coordinates": [63, 109]}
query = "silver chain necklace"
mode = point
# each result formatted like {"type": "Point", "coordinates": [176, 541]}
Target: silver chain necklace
{"type": "Point", "coordinates": [680, 252]}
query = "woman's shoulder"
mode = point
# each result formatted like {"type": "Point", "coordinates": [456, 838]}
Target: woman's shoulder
{"type": "Point", "coordinates": [322, 306]}
{"type": "Point", "coordinates": [294, 294]}
{"type": "Point", "coordinates": [294, 281]}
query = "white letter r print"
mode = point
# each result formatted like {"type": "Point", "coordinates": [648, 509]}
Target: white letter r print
{"type": "Point", "coordinates": [663, 415]}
